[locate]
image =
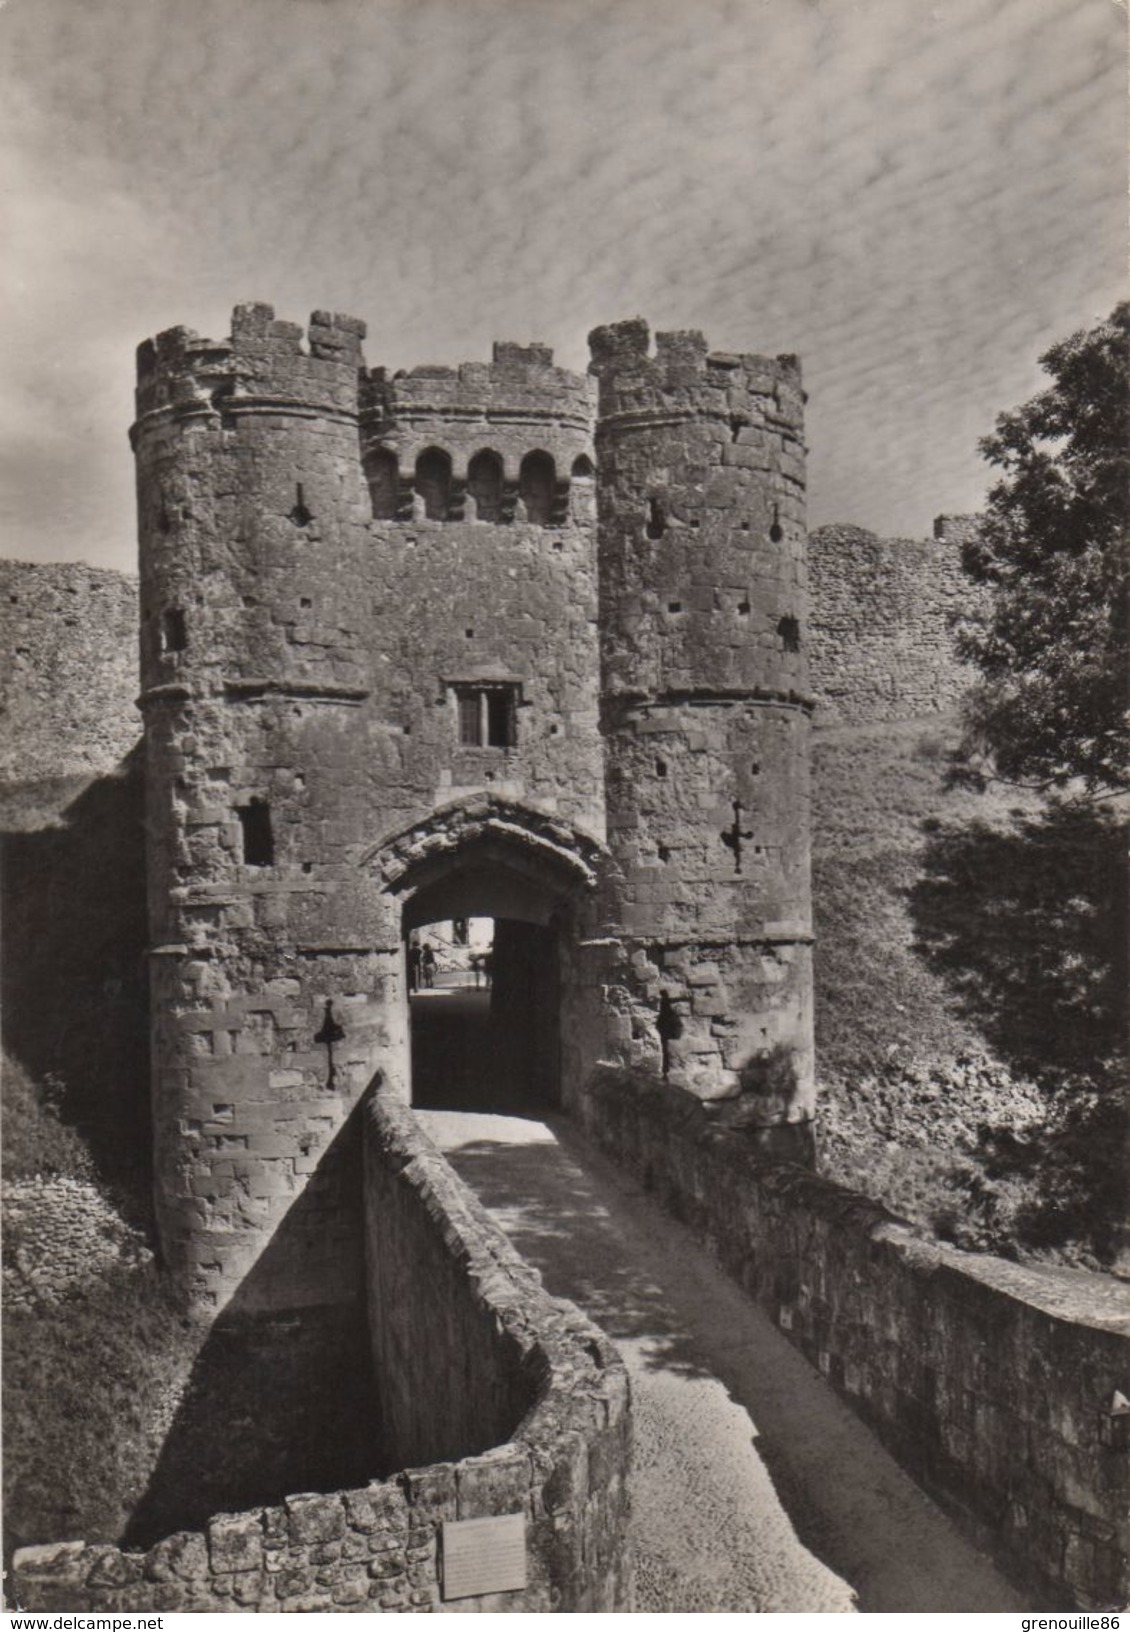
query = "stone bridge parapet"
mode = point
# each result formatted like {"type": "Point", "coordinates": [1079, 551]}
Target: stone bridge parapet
{"type": "Point", "coordinates": [1001, 1386]}
{"type": "Point", "coordinates": [511, 1402]}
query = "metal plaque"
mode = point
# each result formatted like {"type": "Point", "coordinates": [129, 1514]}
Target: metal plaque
{"type": "Point", "coordinates": [484, 1555]}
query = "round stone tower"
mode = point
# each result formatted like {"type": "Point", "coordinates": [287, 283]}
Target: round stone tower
{"type": "Point", "coordinates": [251, 506]}
{"type": "Point", "coordinates": [705, 716]}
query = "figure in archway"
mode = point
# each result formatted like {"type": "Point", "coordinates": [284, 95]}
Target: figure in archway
{"type": "Point", "coordinates": [669, 1026]}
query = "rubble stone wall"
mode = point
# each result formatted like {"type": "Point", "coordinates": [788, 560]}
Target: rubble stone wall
{"type": "Point", "coordinates": [469, 1347]}
{"type": "Point", "coordinates": [68, 669]}
{"type": "Point", "coordinates": [883, 611]}
{"type": "Point", "coordinates": [1001, 1386]}
{"type": "Point", "coordinates": [880, 643]}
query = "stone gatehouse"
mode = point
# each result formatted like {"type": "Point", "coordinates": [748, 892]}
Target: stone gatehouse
{"type": "Point", "coordinates": [497, 639]}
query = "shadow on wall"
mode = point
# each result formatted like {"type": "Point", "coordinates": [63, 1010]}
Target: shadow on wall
{"type": "Point", "coordinates": [74, 982]}
{"type": "Point", "coordinates": [276, 1403]}
{"type": "Point", "coordinates": [1027, 927]}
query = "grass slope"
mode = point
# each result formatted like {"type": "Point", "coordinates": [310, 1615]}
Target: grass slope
{"type": "Point", "coordinates": [969, 966]}
{"type": "Point", "coordinates": [89, 1389]}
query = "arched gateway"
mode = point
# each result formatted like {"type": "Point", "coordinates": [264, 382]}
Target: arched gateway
{"type": "Point", "coordinates": [499, 1043]}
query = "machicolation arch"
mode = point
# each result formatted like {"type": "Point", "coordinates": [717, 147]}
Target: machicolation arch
{"type": "Point", "coordinates": [448, 832]}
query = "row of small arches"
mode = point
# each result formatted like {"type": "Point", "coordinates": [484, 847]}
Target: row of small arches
{"type": "Point", "coordinates": [442, 495]}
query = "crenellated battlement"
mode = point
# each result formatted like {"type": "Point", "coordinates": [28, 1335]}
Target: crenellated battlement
{"type": "Point", "coordinates": [499, 430]}
{"type": "Point", "coordinates": [264, 357]}
{"type": "Point", "coordinates": [683, 375]}
{"type": "Point", "coordinates": [959, 529]}
{"type": "Point", "coordinates": [520, 383]}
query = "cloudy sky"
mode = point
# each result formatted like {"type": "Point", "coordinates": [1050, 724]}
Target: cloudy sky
{"type": "Point", "coordinates": [918, 197]}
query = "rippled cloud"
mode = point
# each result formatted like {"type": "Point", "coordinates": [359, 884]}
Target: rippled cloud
{"type": "Point", "coordinates": [917, 198]}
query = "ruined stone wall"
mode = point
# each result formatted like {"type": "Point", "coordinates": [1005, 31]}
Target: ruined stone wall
{"type": "Point", "coordinates": [483, 1334]}
{"type": "Point", "coordinates": [1000, 1386]}
{"type": "Point", "coordinates": [61, 1236]}
{"type": "Point", "coordinates": [704, 626]}
{"type": "Point", "coordinates": [68, 669]}
{"type": "Point", "coordinates": [883, 611]}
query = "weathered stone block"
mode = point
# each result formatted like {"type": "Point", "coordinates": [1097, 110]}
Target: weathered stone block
{"type": "Point", "coordinates": [498, 1482]}
{"type": "Point", "coordinates": [62, 1560]}
{"type": "Point", "coordinates": [115, 1569]}
{"type": "Point", "coordinates": [315, 1519]}
{"type": "Point", "coordinates": [292, 1581]}
{"type": "Point", "coordinates": [248, 1587]}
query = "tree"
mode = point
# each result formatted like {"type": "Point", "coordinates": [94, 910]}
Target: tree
{"type": "Point", "coordinates": [1051, 640]}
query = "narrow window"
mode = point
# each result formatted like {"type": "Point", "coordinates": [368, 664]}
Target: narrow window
{"type": "Point", "coordinates": [174, 630]}
{"type": "Point", "coordinates": [469, 719]}
{"type": "Point", "coordinates": [789, 631]}
{"type": "Point", "coordinates": [382, 470]}
{"type": "Point", "coordinates": [500, 733]}
{"type": "Point", "coordinates": [484, 483]}
{"type": "Point", "coordinates": [433, 483]}
{"type": "Point", "coordinates": [487, 716]}
{"type": "Point", "coordinates": [537, 483]}
{"type": "Point", "coordinates": [656, 520]}
{"type": "Point", "coordinates": [258, 840]}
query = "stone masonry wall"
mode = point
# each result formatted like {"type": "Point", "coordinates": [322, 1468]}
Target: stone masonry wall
{"type": "Point", "coordinates": [60, 1236]}
{"type": "Point", "coordinates": [879, 647]}
{"type": "Point", "coordinates": [1001, 1387]}
{"type": "Point", "coordinates": [549, 1385]}
{"type": "Point", "coordinates": [882, 622]}
{"type": "Point", "coordinates": [704, 637]}
{"type": "Point", "coordinates": [68, 669]}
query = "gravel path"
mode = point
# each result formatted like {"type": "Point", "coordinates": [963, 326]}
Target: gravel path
{"type": "Point", "coordinates": [754, 1487]}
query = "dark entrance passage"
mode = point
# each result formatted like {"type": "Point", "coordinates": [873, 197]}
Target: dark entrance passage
{"type": "Point", "coordinates": [488, 1039]}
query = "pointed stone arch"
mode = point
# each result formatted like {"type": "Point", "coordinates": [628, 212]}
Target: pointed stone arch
{"type": "Point", "coordinates": [535, 875]}
{"type": "Point", "coordinates": [450, 831]}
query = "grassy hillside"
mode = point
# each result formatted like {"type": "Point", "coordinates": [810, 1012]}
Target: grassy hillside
{"type": "Point", "coordinates": [969, 966]}
{"type": "Point", "coordinates": [72, 972]}
{"type": "Point", "coordinates": [90, 1387]}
